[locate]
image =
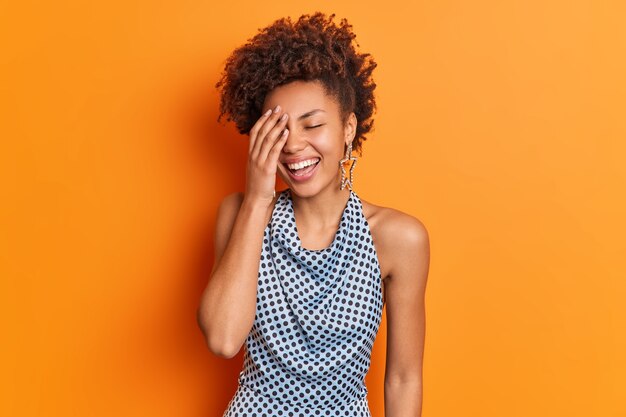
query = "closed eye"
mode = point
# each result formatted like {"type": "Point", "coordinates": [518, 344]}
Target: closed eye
{"type": "Point", "coordinates": [313, 127]}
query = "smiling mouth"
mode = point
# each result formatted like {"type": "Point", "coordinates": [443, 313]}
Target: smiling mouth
{"type": "Point", "coordinates": [302, 171]}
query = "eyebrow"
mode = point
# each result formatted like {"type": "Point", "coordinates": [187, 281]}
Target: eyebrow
{"type": "Point", "coordinates": [309, 113]}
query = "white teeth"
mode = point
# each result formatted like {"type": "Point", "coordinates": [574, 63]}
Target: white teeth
{"type": "Point", "coordinates": [303, 164]}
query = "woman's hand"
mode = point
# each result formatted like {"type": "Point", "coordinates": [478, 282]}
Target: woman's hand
{"type": "Point", "coordinates": [267, 138]}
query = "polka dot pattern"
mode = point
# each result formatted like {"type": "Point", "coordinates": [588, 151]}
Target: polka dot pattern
{"type": "Point", "coordinates": [317, 316]}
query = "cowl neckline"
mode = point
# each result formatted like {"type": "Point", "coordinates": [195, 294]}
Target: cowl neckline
{"type": "Point", "coordinates": [325, 264]}
{"type": "Point", "coordinates": [293, 237]}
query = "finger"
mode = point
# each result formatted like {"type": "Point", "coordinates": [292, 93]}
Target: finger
{"type": "Point", "coordinates": [257, 126]}
{"type": "Point", "coordinates": [273, 120]}
{"type": "Point", "coordinates": [272, 136]}
{"type": "Point", "coordinates": [272, 157]}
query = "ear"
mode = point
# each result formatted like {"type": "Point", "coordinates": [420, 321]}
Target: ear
{"type": "Point", "coordinates": [350, 129]}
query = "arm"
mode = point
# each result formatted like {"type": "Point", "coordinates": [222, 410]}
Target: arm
{"type": "Point", "coordinates": [228, 304]}
{"type": "Point", "coordinates": [409, 253]}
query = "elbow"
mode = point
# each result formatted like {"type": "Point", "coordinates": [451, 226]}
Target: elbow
{"type": "Point", "coordinates": [217, 344]}
{"type": "Point", "coordinates": [222, 350]}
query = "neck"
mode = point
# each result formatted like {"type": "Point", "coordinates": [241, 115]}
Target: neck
{"type": "Point", "coordinates": [322, 210]}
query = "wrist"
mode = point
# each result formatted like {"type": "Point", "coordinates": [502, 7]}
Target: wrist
{"type": "Point", "coordinates": [256, 204]}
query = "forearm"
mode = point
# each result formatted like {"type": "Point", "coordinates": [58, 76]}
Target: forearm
{"type": "Point", "coordinates": [403, 399]}
{"type": "Point", "coordinates": [228, 305]}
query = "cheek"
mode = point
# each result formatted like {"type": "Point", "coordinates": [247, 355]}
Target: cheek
{"type": "Point", "coordinates": [327, 145]}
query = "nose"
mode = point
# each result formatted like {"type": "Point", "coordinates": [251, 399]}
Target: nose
{"type": "Point", "coordinates": [294, 142]}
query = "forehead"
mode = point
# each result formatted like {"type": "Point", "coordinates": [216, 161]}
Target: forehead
{"type": "Point", "coordinates": [298, 97]}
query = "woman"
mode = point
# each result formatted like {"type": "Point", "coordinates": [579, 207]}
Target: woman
{"type": "Point", "coordinates": [309, 308]}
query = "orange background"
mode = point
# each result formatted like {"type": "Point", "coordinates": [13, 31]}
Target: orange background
{"type": "Point", "coordinates": [501, 126]}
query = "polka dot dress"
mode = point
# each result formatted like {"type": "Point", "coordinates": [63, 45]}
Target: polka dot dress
{"type": "Point", "coordinates": [317, 316]}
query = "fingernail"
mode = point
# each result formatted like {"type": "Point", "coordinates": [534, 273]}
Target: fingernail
{"type": "Point", "coordinates": [283, 117]}
{"type": "Point", "coordinates": [268, 112]}
{"type": "Point", "coordinates": [277, 109]}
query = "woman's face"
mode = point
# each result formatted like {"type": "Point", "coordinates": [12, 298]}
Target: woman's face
{"type": "Point", "coordinates": [316, 132]}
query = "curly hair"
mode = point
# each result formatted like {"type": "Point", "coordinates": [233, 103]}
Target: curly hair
{"type": "Point", "coordinates": [312, 48]}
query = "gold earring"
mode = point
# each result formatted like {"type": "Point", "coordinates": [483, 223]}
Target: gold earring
{"type": "Point", "coordinates": [347, 157]}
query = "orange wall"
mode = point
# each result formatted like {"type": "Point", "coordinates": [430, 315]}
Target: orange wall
{"type": "Point", "coordinates": [501, 125]}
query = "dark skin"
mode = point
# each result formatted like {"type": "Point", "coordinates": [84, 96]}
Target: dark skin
{"type": "Point", "coordinates": [401, 241]}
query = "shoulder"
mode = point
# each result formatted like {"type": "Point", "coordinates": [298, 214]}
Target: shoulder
{"type": "Point", "coordinates": [394, 227]}
{"type": "Point", "coordinates": [232, 200]}
{"type": "Point", "coordinates": [227, 212]}
{"type": "Point", "coordinates": [399, 237]}
{"type": "Point", "coordinates": [229, 208]}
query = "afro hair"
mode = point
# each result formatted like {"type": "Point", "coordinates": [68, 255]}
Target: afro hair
{"type": "Point", "coordinates": [312, 48]}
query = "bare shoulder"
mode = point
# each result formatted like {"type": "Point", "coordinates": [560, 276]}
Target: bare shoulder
{"type": "Point", "coordinates": [397, 236]}
{"type": "Point", "coordinates": [231, 201]}
{"type": "Point", "coordinates": [228, 208]}
{"type": "Point", "coordinates": [227, 213]}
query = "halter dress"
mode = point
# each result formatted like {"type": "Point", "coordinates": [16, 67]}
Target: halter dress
{"type": "Point", "coordinates": [317, 316]}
